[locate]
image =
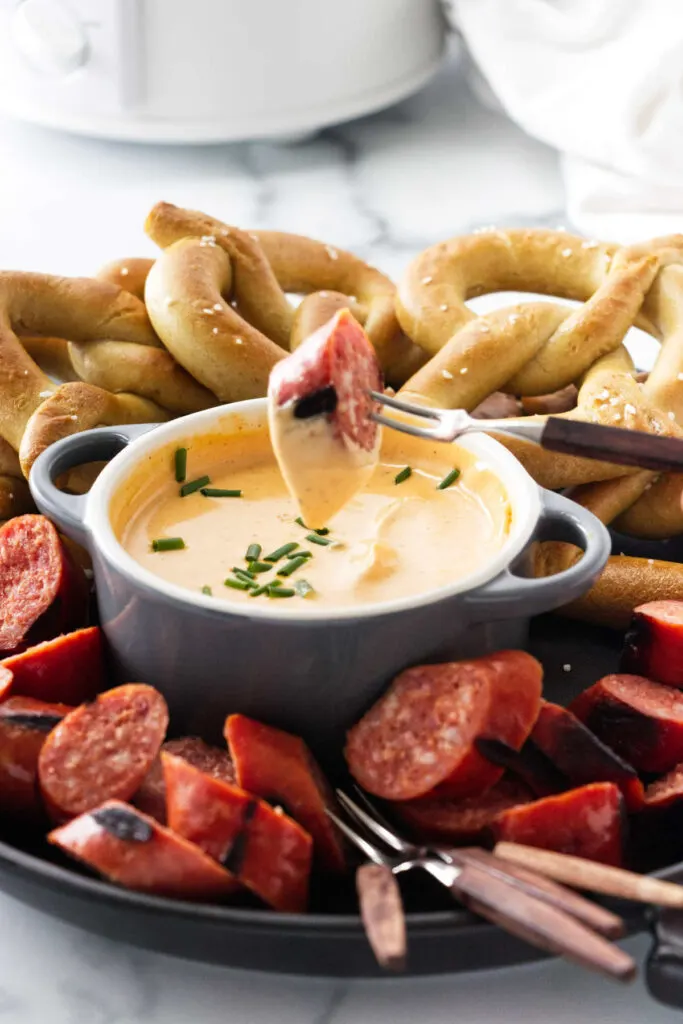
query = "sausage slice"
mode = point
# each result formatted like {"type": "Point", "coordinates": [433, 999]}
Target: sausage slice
{"type": "Point", "coordinates": [640, 720]}
{"type": "Point", "coordinates": [421, 734]}
{"type": "Point", "coordinates": [24, 727]}
{"type": "Point", "coordinates": [279, 768]}
{"type": "Point", "coordinates": [151, 797]}
{"type": "Point", "coordinates": [653, 645]}
{"type": "Point", "coordinates": [42, 590]}
{"type": "Point", "coordinates": [102, 750]}
{"type": "Point", "coordinates": [69, 668]}
{"type": "Point", "coordinates": [135, 851]}
{"type": "Point", "coordinates": [586, 822]}
{"type": "Point", "coordinates": [267, 851]}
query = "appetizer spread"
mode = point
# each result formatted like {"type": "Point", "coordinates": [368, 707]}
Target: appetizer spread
{"type": "Point", "coordinates": [459, 753]}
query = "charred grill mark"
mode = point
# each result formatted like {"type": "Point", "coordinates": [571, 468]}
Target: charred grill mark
{"type": "Point", "coordinates": [318, 403]}
{"type": "Point", "coordinates": [623, 728]}
{"type": "Point", "coordinates": [233, 858]}
{"type": "Point", "coordinates": [529, 764]}
{"type": "Point", "coordinates": [35, 720]}
{"type": "Point", "coordinates": [123, 823]}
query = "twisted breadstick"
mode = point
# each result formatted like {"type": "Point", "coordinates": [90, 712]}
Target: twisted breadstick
{"type": "Point", "coordinates": [266, 264]}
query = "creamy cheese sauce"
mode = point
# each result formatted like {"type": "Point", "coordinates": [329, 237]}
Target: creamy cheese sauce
{"type": "Point", "coordinates": [322, 472]}
{"type": "Point", "coordinates": [390, 540]}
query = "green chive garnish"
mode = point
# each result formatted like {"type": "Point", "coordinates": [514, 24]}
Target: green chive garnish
{"type": "Point", "coordinates": [253, 553]}
{"type": "Point", "coordinates": [303, 588]}
{"type": "Point", "coordinates": [292, 566]}
{"type": "Point", "coordinates": [220, 492]}
{"type": "Point", "coordinates": [237, 584]}
{"type": "Point", "coordinates": [304, 554]}
{"type": "Point", "coordinates": [180, 464]}
{"type": "Point", "coordinates": [403, 475]}
{"type": "Point", "coordinates": [260, 567]}
{"type": "Point", "coordinates": [245, 574]}
{"type": "Point", "coordinates": [274, 591]}
{"type": "Point", "coordinates": [259, 591]}
{"type": "Point", "coordinates": [279, 553]}
{"type": "Point", "coordinates": [322, 532]}
{"type": "Point", "coordinates": [168, 544]}
{"type": "Point", "coordinates": [194, 485]}
{"type": "Point", "coordinates": [448, 480]}
{"type": "Point", "coordinates": [208, 591]}
{"type": "Point", "coordinates": [315, 539]}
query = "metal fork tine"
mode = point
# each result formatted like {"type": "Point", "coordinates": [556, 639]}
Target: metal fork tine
{"type": "Point", "coordinates": [404, 428]}
{"type": "Point", "coordinates": [370, 851]}
{"type": "Point", "coordinates": [409, 407]}
{"type": "Point", "coordinates": [379, 828]}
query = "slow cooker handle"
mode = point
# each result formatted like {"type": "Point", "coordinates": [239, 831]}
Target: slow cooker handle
{"type": "Point", "coordinates": [68, 510]}
{"type": "Point", "coordinates": [509, 594]}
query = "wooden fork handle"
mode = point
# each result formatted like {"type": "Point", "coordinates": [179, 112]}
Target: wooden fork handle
{"type": "Point", "coordinates": [381, 910]}
{"type": "Point", "coordinates": [591, 914]}
{"type": "Point", "coordinates": [586, 874]}
{"type": "Point", "coordinates": [539, 923]}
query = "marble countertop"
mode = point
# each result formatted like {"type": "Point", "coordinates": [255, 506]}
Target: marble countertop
{"type": "Point", "coordinates": [385, 186]}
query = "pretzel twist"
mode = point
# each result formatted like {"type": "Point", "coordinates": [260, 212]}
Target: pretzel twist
{"type": "Point", "coordinates": [267, 264]}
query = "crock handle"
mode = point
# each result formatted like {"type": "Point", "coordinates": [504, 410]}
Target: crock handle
{"type": "Point", "coordinates": [560, 519]}
{"type": "Point", "coordinates": [68, 510]}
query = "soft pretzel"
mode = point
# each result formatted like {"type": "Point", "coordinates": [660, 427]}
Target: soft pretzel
{"type": "Point", "coordinates": [152, 373]}
{"type": "Point", "coordinates": [184, 295]}
{"type": "Point", "coordinates": [129, 273]}
{"type": "Point", "coordinates": [266, 264]}
{"type": "Point", "coordinates": [77, 308]}
{"type": "Point", "coordinates": [75, 407]}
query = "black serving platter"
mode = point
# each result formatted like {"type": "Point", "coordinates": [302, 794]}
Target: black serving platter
{"type": "Point", "coordinates": [330, 940]}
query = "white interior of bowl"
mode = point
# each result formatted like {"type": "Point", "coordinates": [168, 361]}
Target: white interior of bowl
{"type": "Point", "coordinates": [523, 493]}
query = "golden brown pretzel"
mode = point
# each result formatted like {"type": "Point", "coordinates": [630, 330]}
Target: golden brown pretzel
{"type": "Point", "coordinates": [76, 308]}
{"type": "Point", "coordinates": [266, 264]}
{"type": "Point", "coordinates": [184, 295]}
{"type": "Point", "coordinates": [75, 407]}
{"type": "Point", "coordinates": [129, 273]}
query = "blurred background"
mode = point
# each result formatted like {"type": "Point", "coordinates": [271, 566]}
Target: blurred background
{"type": "Point", "coordinates": [363, 125]}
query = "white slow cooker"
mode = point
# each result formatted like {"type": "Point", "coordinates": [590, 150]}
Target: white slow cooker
{"type": "Point", "coordinates": [211, 70]}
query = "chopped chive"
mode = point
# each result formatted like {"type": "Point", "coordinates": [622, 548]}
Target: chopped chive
{"type": "Point", "coordinates": [315, 539]}
{"type": "Point", "coordinates": [403, 475]}
{"type": "Point", "coordinates": [194, 485]}
{"type": "Point", "coordinates": [259, 591]}
{"type": "Point", "coordinates": [275, 591]}
{"type": "Point", "coordinates": [303, 588]}
{"type": "Point", "coordinates": [292, 566]}
{"type": "Point", "coordinates": [168, 544]}
{"type": "Point", "coordinates": [304, 554]}
{"type": "Point", "coordinates": [237, 584]}
{"type": "Point", "coordinates": [180, 458]}
{"type": "Point", "coordinates": [220, 492]}
{"type": "Point", "coordinates": [260, 567]}
{"type": "Point", "coordinates": [208, 591]}
{"type": "Point", "coordinates": [449, 479]}
{"type": "Point", "coordinates": [322, 532]}
{"type": "Point", "coordinates": [246, 574]}
{"type": "Point", "coordinates": [253, 553]}
{"type": "Point", "coordinates": [279, 553]}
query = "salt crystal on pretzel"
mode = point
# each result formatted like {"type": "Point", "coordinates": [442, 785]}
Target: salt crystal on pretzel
{"type": "Point", "coordinates": [319, 410]}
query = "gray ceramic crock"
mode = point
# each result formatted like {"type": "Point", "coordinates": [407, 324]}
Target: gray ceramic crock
{"type": "Point", "coordinates": [312, 673]}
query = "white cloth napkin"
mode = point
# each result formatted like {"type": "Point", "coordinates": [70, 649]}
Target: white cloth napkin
{"type": "Point", "coordinates": [602, 81]}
